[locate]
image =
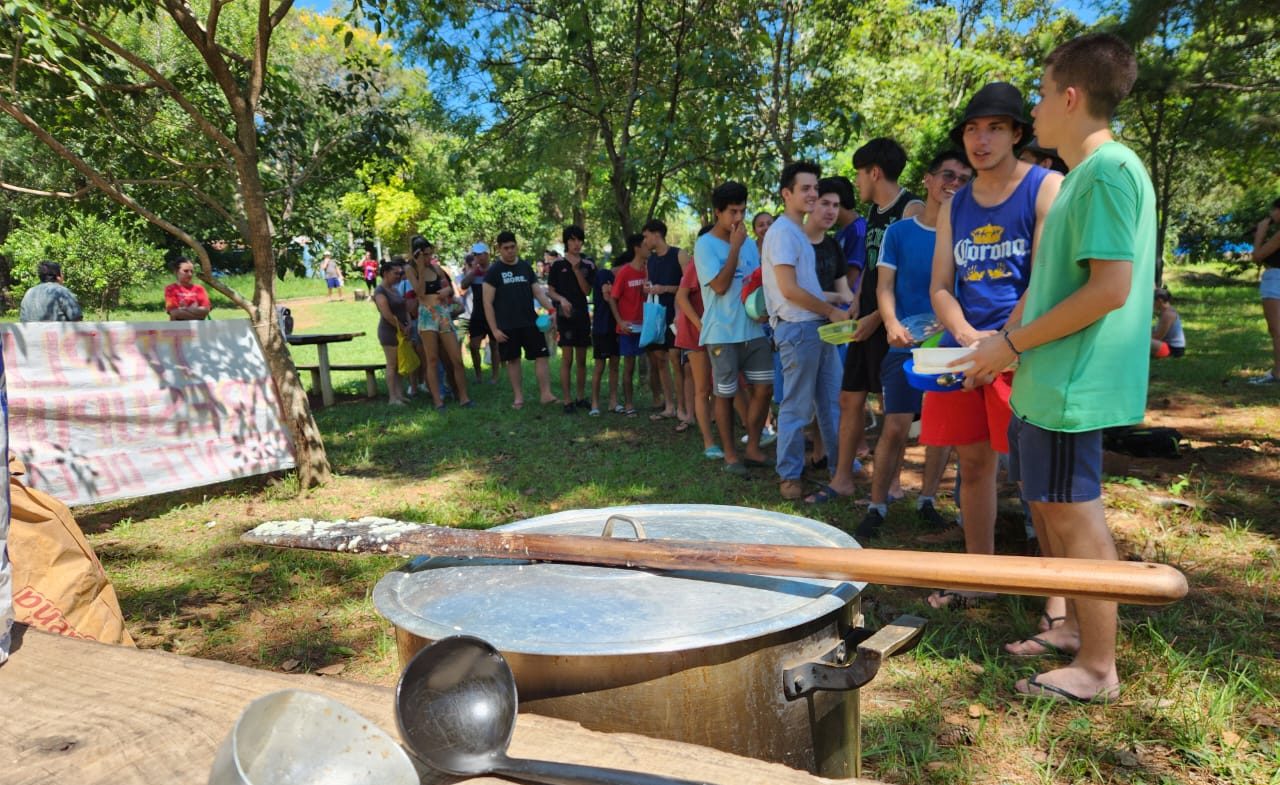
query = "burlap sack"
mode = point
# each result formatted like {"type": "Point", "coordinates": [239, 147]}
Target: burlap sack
{"type": "Point", "coordinates": [58, 583]}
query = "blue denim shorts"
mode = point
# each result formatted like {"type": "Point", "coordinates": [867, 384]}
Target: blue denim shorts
{"type": "Point", "coordinates": [1054, 466]}
{"type": "Point", "coordinates": [1270, 286]}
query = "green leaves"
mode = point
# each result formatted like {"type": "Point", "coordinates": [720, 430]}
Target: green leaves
{"type": "Point", "coordinates": [101, 259]}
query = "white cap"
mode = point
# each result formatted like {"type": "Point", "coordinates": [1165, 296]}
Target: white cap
{"type": "Point", "coordinates": [479, 248]}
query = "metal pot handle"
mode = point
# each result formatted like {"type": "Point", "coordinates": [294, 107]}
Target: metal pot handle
{"type": "Point", "coordinates": [635, 525]}
{"type": "Point", "coordinates": [832, 671]}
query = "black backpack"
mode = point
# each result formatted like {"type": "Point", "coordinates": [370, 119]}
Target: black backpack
{"type": "Point", "coordinates": [1158, 442]}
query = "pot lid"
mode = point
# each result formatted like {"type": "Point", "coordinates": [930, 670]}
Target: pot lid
{"type": "Point", "coordinates": [569, 609]}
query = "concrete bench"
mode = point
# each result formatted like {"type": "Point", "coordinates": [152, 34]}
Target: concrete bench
{"type": "Point", "coordinates": [370, 378]}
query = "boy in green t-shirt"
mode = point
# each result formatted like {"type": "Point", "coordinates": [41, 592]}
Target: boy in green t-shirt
{"type": "Point", "coordinates": [1083, 343]}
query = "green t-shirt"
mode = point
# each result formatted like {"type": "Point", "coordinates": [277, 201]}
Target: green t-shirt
{"type": "Point", "coordinates": [1097, 377]}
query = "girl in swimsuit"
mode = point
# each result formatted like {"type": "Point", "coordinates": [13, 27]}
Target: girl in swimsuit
{"type": "Point", "coordinates": [435, 322]}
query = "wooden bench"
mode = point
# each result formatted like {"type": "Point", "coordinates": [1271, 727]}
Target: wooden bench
{"type": "Point", "coordinates": [90, 714]}
{"type": "Point", "coordinates": [370, 375]}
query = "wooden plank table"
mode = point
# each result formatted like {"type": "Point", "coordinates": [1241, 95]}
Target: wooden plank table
{"type": "Point", "coordinates": [78, 713]}
{"type": "Point", "coordinates": [321, 341]}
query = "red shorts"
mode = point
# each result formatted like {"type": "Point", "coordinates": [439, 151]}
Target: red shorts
{"type": "Point", "coordinates": [969, 416]}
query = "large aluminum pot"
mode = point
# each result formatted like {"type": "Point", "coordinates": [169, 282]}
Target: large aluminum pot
{"type": "Point", "coordinates": [753, 665]}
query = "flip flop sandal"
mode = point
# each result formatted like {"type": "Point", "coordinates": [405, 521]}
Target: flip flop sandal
{"type": "Point", "coordinates": [593, 413]}
{"type": "Point", "coordinates": [713, 453]}
{"type": "Point", "coordinates": [1058, 694]}
{"type": "Point", "coordinates": [619, 409]}
{"type": "Point", "coordinates": [660, 416]}
{"type": "Point", "coordinates": [824, 495]}
{"type": "Point", "coordinates": [1049, 622]}
{"type": "Point", "coordinates": [683, 426]}
{"type": "Point", "coordinates": [518, 406]}
{"type": "Point", "coordinates": [630, 412]}
{"type": "Point", "coordinates": [1048, 649]}
{"type": "Point", "coordinates": [752, 463]}
{"type": "Point", "coordinates": [955, 601]}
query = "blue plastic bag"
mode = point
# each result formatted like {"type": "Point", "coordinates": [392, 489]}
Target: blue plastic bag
{"type": "Point", "coordinates": [653, 329]}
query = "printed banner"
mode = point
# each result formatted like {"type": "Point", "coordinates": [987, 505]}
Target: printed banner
{"type": "Point", "coordinates": [111, 410]}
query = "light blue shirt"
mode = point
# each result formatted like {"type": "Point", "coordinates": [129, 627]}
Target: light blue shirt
{"type": "Point", "coordinates": [724, 318]}
{"type": "Point", "coordinates": [787, 244]}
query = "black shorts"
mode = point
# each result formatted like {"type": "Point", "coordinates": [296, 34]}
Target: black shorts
{"type": "Point", "coordinates": [478, 327]}
{"type": "Point", "coordinates": [862, 363]}
{"type": "Point", "coordinates": [574, 333]}
{"type": "Point", "coordinates": [531, 339]}
{"type": "Point", "coordinates": [604, 346]}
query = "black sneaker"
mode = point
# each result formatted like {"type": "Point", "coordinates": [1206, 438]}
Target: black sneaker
{"type": "Point", "coordinates": [932, 518]}
{"type": "Point", "coordinates": [569, 409]}
{"type": "Point", "coordinates": [870, 526]}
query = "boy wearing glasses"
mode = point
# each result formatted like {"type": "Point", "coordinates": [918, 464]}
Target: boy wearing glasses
{"type": "Point", "coordinates": [905, 271]}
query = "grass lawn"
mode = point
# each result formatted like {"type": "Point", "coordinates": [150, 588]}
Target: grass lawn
{"type": "Point", "coordinates": [1201, 677]}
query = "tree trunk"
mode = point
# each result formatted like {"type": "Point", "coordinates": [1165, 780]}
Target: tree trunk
{"type": "Point", "coordinates": [313, 464]}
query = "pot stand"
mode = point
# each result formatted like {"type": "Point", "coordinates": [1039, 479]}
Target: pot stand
{"type": "Point", "coordinates": [832, 671]}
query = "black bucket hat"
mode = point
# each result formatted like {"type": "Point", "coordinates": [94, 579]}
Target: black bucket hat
{"type": "Point", "coordinates": [996, 99]}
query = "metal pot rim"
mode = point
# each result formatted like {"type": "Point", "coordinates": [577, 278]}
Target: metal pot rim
{"type": "Point", "coordinates": [534, 610]}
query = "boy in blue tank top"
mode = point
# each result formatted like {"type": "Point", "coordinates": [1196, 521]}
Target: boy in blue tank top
{"type": "Point", "coordinates": [1083, 343]}
{"type": "Point", "coordinates": [981, 265]}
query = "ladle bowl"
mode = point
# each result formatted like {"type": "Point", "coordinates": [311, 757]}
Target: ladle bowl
{"type": "Point", "coordinates": [292, 737]}
{"type": "Point", "coordinates": [456, 708]}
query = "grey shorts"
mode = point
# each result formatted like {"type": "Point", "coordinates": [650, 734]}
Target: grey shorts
{"type": "Point", "coordinates": [753, 359]}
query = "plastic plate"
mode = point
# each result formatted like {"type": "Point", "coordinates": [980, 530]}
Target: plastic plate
{"type": "Point", "coordinates": [932, 382]}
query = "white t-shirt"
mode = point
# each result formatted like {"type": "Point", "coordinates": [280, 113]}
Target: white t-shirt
{"type": "Point", "coordinates": [786, 243]}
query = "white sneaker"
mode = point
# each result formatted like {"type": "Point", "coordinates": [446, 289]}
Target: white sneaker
{"type": "Point", "coordinates": [1269, 378]}
{"type": "Point", "coordinates": [767, 437]}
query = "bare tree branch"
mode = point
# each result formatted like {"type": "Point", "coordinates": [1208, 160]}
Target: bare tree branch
{"type": "Point", "coordinates": [206, 199]}
{"type": "Point", "coordinates": [18, 189]}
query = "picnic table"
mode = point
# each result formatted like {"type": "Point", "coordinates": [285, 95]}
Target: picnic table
{"type": "Point", "coordinates": [74, 711]}
{"type": "Point", "coordinates": [321, 341]}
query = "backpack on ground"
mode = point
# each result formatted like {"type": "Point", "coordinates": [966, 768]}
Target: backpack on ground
{"type": "Point", "coordinates": [1140, 442]}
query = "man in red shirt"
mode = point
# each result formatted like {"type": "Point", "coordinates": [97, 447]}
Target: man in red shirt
{"type": "Point", "coordinates": [627, 300]}
{"type": "Point", "coordinates": [186, 301]}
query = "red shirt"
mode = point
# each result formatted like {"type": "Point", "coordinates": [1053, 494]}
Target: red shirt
{"type": "Point", "coordinates": [628, 290]}
{"type": "Point", "coordinates": [178, 296]}
{"type": "Point", "coordinates": [370, 267]}
{"type": "Point", "coordinates": [687, 337]}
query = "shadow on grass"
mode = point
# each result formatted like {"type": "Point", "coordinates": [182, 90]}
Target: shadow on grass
{"type": "Point", "coordinates": [98, 518]}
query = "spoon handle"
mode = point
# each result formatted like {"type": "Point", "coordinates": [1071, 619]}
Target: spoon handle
{"type": "Point", "coordinates": [556, 773]}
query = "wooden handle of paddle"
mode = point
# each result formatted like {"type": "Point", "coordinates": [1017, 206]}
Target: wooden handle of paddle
{"type": "Point", "coordinates": [1119, 581]}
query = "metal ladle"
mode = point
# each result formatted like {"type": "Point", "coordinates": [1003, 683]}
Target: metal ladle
{"type": "Point", "coordinates": [456, 709]}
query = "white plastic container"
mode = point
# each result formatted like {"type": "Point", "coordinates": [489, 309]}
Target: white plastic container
{"type": "Point", "coordinates": [937, 360]}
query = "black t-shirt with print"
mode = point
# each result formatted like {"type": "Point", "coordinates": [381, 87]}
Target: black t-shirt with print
{"type": "Point", "coordinates": [831, 262]}
{"type": "Point", "coordinates": [877, 222]}
{"type": "Point", "coordinates": [512, 294]}
{"type": "Point", "coordinates": [565, 282]}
